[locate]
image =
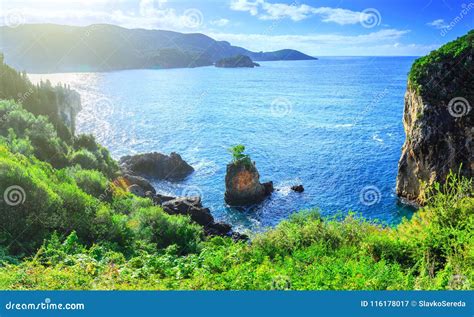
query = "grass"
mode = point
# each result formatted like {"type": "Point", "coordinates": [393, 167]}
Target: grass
{"type": "Point", "coordinates": [433, 250]}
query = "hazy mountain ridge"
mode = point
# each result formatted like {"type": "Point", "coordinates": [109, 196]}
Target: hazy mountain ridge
{"type": "Point", "coordinates": [104, 47]}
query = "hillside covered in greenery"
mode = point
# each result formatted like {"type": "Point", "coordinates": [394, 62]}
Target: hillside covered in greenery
{"type": "Point", "coordinates": [68, 222]}
{"type": "Point", "coordinates": [450, 67]}
{"type": "Point", "coordinates": [106, 47]}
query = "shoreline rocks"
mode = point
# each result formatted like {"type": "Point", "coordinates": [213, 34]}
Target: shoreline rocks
{"type": "Point", "coordinates": [243, 185]}
{"type": "Point", "coordinates": [188, 206]}
{"type": "Point", "coordinates": [156, 165]}
{"type": "Point", "coordinates": [132, 180]}
{"type": "Point", "coordinates": [192, 207]}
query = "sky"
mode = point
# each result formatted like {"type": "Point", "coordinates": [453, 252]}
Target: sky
{"type": "Point", "coordinates": [315, 27]}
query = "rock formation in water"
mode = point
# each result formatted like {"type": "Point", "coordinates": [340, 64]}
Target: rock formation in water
{"type": "Point", "coordinates": [297, 188]}
{"type": "Point", "coordinates": [157, 166]}
{"type": "Point", "coordinates": [438, 119]}
{"type": "Point", "coordinates": [243, 187]}
{"type": "Point", "coordinates": [236, 61]}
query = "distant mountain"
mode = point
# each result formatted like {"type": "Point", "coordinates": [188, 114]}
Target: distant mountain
{"type": "Point", "coordinates": [104, 47]}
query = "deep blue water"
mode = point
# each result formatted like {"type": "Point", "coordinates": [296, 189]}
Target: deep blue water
{"type": "Point", "coordinates": [333, 125]}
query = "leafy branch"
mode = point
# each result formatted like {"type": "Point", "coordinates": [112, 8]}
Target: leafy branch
{"type": "Point", "coordinates": [238, 155]}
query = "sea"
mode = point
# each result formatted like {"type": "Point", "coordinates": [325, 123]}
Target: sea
{"type": "Point", "coordinates": [333, 125]}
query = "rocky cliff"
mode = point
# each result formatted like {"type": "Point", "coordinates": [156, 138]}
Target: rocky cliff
{"type": "Point", "coordinates": [69, 105]}
{"type": "Point", "coordinates": [438, 119]}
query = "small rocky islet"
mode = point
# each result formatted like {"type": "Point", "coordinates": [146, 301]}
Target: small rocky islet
{"type": "Point", "coordinates": [238, 61]}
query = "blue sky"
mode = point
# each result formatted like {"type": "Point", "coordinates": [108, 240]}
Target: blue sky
{"type": "Point", "coordinates": [316, 27]}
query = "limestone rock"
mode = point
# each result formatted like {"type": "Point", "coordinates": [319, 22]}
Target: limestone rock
{"type": "Point", "coordinates": [243, 185]}
{"type": "Point", "coordinates": [438, 119]}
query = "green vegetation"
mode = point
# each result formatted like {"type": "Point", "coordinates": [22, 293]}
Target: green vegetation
{"type": "Point", "coordinates": [445, 66]}
{"type": "Point", "coordinates": [57, 103]}
{"type": "Point", "coordinates": [151, 250]}
{"type": "Point", "coordinates": [68, 223]}
{"type": "Point", "coordinates": [238, 155]}
{"type": "Point", "coordinates": [27, 134]}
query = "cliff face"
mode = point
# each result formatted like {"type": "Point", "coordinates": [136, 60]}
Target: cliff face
{"type": "Point", "coordinates": [69, 105]}
{"type": "Point", "coordinates": [438, 119]}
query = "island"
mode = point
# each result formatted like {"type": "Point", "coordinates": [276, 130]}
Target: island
{"type": "Point", "coordinates": [236, 62]}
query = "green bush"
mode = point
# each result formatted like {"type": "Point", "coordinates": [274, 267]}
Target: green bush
{"type": "Point", "coordinates": [113, 230]}
{"type": "Point", "coordinates": [155, 226]}
{"type": "Point", "coordinates": [92, 182]}
{"type": "Point", "coordinates": [85, 141]}
{"type": "Point", "coordinates": [84, 159]}
{"type": "Point", "coordinates": [28, 214]}
{"type": "Point", "coordinates": [102, 160]}
{"type": "Point", "coordinates": [20, 124]}
{"type": "Point", "coordinates": [238, 156]}
{"type": "Point", "coordinates": [30, 135]}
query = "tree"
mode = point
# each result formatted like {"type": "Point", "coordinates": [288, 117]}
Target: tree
{"type": "Point", "coordinates": [238, 155]}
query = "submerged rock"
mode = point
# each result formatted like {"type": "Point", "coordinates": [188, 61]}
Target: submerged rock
{"type": "Point", "coordinates": [438, 119]}
{"type": "Point", "coordinates": [298, 188]}
{"type": "Point", "coordinates": [156, 165]}
{"type": "Point", "coordinates": [243, 187]}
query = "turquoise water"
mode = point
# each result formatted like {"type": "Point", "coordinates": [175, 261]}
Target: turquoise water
{"type": "Point", "coordinates": [333, 125]}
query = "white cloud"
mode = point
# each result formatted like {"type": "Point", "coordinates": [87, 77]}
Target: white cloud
{"type": "Point", "coordinates": [220, 22]}
{"type": "Point", "coordinates": [383, 42]}
{"type": "Point", "coordinates": [438, 24]}
{"type": "Point", "coordinates": [280, 10]}
{"type": "Point", "coordinates": [148, 14]}
{"type": "Point", "coordinates": [340, 16]}
{"type": "Point", "coordinates": [297, 12]}
{"type": "Point", "coordinates": [245, 5]}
